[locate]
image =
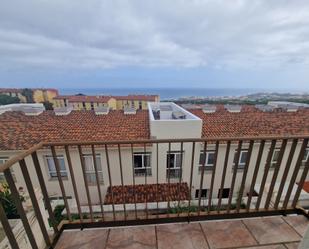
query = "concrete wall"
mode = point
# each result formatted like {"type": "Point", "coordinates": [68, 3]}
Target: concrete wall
{"type": "Point", "coordinates": [40, 96]}
{"type": "Point", "coordinates": [112, 103]}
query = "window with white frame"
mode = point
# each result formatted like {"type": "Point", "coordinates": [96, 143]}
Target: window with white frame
{"type": "Point", "coordinates": [274, 158]}
{"type": "Point", "coordinates": [305, 158]}
{"type": "Point", "coordinates": [242, 158]}
{"type": "Point", "coordinates": [173, 164]}
{"type": "Point", "coordinates": [142, 163]}
{"type": "Point", "coordinates": [52, 168]}
{"type": "Point", "coordinates": [207, 159]}
{"type": "Point", "coordinates": [2, 177]}
{"type": "Point", "coordinates": [90, 169]}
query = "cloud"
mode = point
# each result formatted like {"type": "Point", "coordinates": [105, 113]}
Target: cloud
{"type": "Point", "coordinates": [100, 34]}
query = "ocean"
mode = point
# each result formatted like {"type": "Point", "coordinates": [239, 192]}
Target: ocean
{"type": "Point", "coordinates": [166, 93]}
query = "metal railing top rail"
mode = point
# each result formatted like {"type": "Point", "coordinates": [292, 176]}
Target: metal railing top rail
{"type": "Point", "coordinates": [41, 145]}
{"type": "Point", "coordinates": [173, 140]}
{"type": "Point", "coordinates": [9, 163]}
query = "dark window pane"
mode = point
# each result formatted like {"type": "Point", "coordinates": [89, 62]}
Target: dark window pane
{"type": "Point", "coordinates": [211, 158]}
{"type": "Point", "coordinates": [202, 158]}
{"type": "Point", "coordinates": [243, 157]}
{"type": "Point", "coordinates": [170, 159]}
{"type": "Point", "coordinates": [225, 193]}
{"type": "Point", "coordinates": [275, 156]}
{"type": "Point", "coordinates": [203, 194]}
{"type": "Point", "coordinates": [138, 161]}
{"type": "Point", "coordinates": [147, 160]}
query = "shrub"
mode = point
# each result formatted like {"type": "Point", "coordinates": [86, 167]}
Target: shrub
{"type": "Point", "coordinates": [7, 202]}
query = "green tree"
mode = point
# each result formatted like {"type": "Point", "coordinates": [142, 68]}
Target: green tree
{"type": "Point", "coordinates": [7, 202]}
{"type": "Point", "coordinates": [6, 99]}
{"type": "Point", "coordinates": [27, 92]}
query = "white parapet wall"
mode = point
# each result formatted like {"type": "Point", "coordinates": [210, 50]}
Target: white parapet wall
{"type": "Point", "coordinates": [170, 121]}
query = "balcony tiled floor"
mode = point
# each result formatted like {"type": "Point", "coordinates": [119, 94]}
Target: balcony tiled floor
{"type": "Point", "coordinates": [255, 233]}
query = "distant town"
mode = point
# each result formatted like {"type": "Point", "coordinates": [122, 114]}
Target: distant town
{"type": "Point", "coordinates": [250, 99]}
{"type": "Point", "coordinates": [51, 98]}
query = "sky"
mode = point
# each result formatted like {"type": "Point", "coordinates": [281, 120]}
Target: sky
{"type": "Point", "coordinates": [155, 43]}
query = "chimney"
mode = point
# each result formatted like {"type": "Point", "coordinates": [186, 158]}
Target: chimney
{"type": "Point", "coordinates": [63, 111]}
{"type": "Point", "coordinates": [102, 110]}
{"type": "Point", "coordinates": [233, 108]}
{"type": "Point", "coordinates": [129, 111]}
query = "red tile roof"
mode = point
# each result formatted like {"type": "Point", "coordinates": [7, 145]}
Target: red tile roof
{"type": "Point", "coordinates": [102, 98]}
{"type": "Point", "coordinates": [10, 90]}
{"type": "Point", "coordinates": [18, 131]}
{"type": "Point", "coordinates": [19, 90]}
{"type": "Point", "coordinates": [82, 98]}
{"type": "Point", "coordinates": [137, 97]}
{"type": "Point", "coordinates": [166, 192]}
{"type": "Point", "coordinates": [306, 187]}
{"type": "Point", "coordinates": [253, 122]}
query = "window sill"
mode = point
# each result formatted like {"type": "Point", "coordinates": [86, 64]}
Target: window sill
{"type": "Point", "coordinates": [139, 175]}
{"type": "Point", "coordinates": [239, 168]}
{"type": "Point", "coordinates": [94, 184]}
{"type": "Point", "coordinates": [205, 171]}
{"type": "Point", "coordinates": [53, 179]}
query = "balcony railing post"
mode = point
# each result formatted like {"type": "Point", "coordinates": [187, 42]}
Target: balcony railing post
{"type": "Point", "coordinates": [44, 191]}
{"type": "Point", "coordinates": [226, 159]}
{"type": "Point", "coordinates": [72, 174]}
{"type": "Point", "coordinates": [191, 179]}
{"type": "Point", "coordinates": [180, 177]}
{"type": "Point", "coordinates": [285, 173]}
{"type": "Point", "coordinates": [7, 228]}
{"type": "Point", "coordinates": [110, 181]}
{"type": "Point", "coordinates": [244, 176]}
{"type": "Point", "coordinates": [34, 201]}
{"type": "Point", "coordinates": [146, 194]}
{"type": "Point", "coordinates": [20, 209]}
{"type": "Point", "coordinates": [295, 173]}
{"type": "Point", "coordinates": [266, 170]}
{"type": "Point", "coordinates": [275, 174]}
{"type": "Point", "coordinates": [255, 173]}
{"type": "Point", "coordinates": [234, 176]}
{"type": "Point", "coordinates": [122, 185]}
{"type": "Point", "coordinates": [85, 180]}
{"type": "Point", "coordinates": [300, 184]}
{"type": "Point", "coordinates": [202, 179]}
{"type": "Point", "coordinates": [133, 178]}
{"type": "Point", "coordinates": [213, 174]}
{"type": "Point", "coordinates": [59, 176]}
{"type": "Point", "coordinates": [94, 157]}
{"type": "Point", "coordinates": [169, 177]}
{"type": "Point", "coordinates": [157, 178]}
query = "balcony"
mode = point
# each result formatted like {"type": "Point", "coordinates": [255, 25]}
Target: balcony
{"type": "Point", "coordinates": [195, 202]}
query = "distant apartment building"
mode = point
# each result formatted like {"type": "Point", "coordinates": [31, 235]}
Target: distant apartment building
{"type": "Point", "coordinates": [83, 102]}
{"type": "Point", "coordinates": [39, 95]}
{"type": "Point", "coordinates": [191, 164]}
{"type": "Point", "coordinates": [14, 92]}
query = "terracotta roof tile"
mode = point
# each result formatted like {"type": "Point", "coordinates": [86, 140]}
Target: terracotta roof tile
{"type": "Point", "coordinates": [18, 131]}
{"type": "Point", "coordinates": [82, 98]}
{"type": "Point", "coordinates": [104, 98]}
{"type": "Point", "coordinates": [137, 97]}
{"type": "Point", "coordinates": [165, 192]}
{"type": "Point", "coordinates": [253, 122]}
{"type": "Point", "coordinates": [19, 90]}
